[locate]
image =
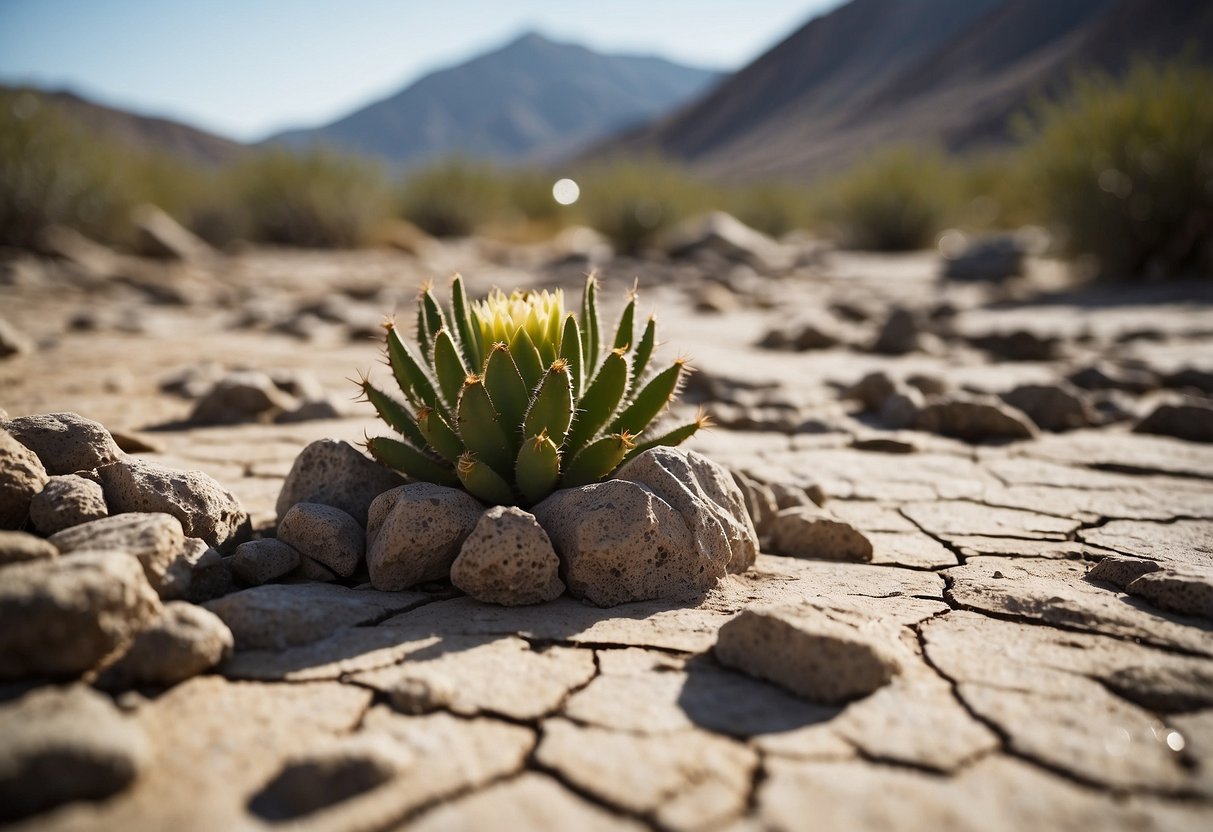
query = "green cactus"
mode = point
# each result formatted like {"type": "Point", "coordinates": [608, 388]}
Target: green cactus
{"type": "Point", "coordinates": [512, 398]}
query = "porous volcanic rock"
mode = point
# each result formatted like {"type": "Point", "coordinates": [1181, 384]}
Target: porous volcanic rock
{"type": "Point", "coordinates": [325, 534]}
{"type": "Point", "coordinates": [508, 559]}
{"type": "Point", "coordinates": [181, 642]}
{"type": "Point", "coordinates": [21, 477]}
{"type": "Point", "coordinates": [336, 474]}
{"type": "Point", "coordinates": [415, 531]}
{"type": "Point", "coordinates": [65, 442]}
{"type": "Point", "coordinates": [67, 500]}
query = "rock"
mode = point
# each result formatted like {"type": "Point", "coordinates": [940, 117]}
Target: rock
{"type": "Point", "coordinates": [310, 411]}
{"type": "Point", "coordinates": [414, 533]}
{"type": "Point", "coordinates": [60, 617]}
{"type": "Point", "coordinates": [67, 500]}
{"type": "Point", "coordinates": [181, 642]}
{"type": "Point", "coordinates": [716, 298]}
{"type": "Point", "coordinates": [154, 539]}
{"type": "Point", "coordinates": [193, 381]}
{"type": "Point", "coordinates": [1121, 572]}
{"type": "Point", "coordinates": [205, 508]}
{"type": "Point", "coordinates": [724, 235]}
{"type": "Point", "coordinates": [198, 573]}
{"type": "Point", "coordinates": [900, 409]}
{"type": "Point", "coordinates": [974, 419]}
{"type": "Point", "coordinates": [803, 337]}
{"type": "Point", "coordinates": [19, 547]}
{"type": "Point", "coordinates": [21, 477]}
{"type": "Point", "coordinates": [826, 656]}
{"type": "Point", "coordinates": [336, 474]}
{"type": "Point", "coordinates": [1052, 406]}
{"type": "Point", "coordinates": [315, 571]}
{"type": "Point", "coordinates": [812, 532]}
{"type": "Point", "coordinates": [508, 559]}
{"type": "Point", "coordinates": [65, 442]}
{"type": "Point", "coordinates": [1019, 345]}
{"type": "Point", "coordinates": [705, 496]}
{"type": "Point", "coordinates": [242, 396]}
{"type": "Point", "coordinates": [1103, 376]}
{"type": "Point", "coordinates": [13, 341]}
{"type": "Point", "coordinates": [277, 616]}
{"type": "Point", "coordinates": [298, 384]}
{"type": "Point", "coordinates": [63, 745]}
{"type": "Point", "coordinates": [872, 390]}
{"type": "Point", "coordinates": [325, 534]}
{"type": "Point", "coordinates": [900, 334]}
{"type": "Point", "coordinates": [620, 542]}
{"type": "Point", "coordinates": [1191, 422]}
{"type": "Point", "coordinates": [1187, 590]}
{"type": "Point", "coordinates": [1191, 378]}
{"type": "Point", "coordinates": [993, 257]}
{"type": "Point", "coordinates": [260, 561]}
{"type": "Point", "coordinates": [760, 501]}
{"type": "Point", "coordinates": [161, 236]}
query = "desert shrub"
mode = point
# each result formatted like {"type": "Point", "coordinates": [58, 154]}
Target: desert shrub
{"type": "Point", "coordinates": [51, 173]}
{"type": "Point", "coordinates": [771, 208]}
{"type": "Point", "coordinates": [455, 197]}
{"type": "Point", "coordinates": [317, 198]}
{"type": "Point", "coordinates": [1125, 169]}
{"type": "Point", "coordinates": [633, 202]}
{"type": "Point", "coordinates": [896, 200]}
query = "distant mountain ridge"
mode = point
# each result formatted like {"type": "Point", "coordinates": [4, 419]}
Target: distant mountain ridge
{"type": "Point", "coordinates": [143, 132]}
{"type": "Point", "coordinates": [875, 72]}
{"type": "Point", "coordinates": [529, 100]}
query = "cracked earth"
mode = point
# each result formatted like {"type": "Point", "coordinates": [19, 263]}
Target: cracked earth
{"type": "Point", "coordinates": [1031, 692]}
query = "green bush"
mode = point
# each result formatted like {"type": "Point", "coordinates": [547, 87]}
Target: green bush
{"type": "Point", "coordinates": [897, 200]}
{"type": "Point", "coordinates": [633, 202]}
{"type": "Point", "coordinates": [52, 173]}
{"type": "Point", "coordinates": [317, 198]}
{"type": "Point", "coordinates": [454, 198]}
{"type": "Point", "coordinates": [1125, 169]}
{"type": "Point", "coordinates": [771, 208]}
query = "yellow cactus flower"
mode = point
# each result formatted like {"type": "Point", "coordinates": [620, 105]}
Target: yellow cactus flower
{"type": "Point", "coordinates": [501, 317]}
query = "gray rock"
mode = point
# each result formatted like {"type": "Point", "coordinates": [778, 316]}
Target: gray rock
{"type": "Point", "coordinates": [310, 411]}
{"type": "Point", "coordinates": [181, 642]}
{"type": "Point", "coordinates": [260, 561]}
{"type": "Point", "coordinates": [620, 542]}
{"type": "Point", "coordinates": [414, 533]}
{"type": "Point", "coordinates": [1120, 571]}
{"type": "Point", "coordinates": [1103, 376]}
{"type": "Point", "coordinates": [824, 655]}
{"type": "Point", "coordinates": [19, 547]}
{"type": "Point", "coordinates": [205, 508]}
{"type": "Point", "coordinates": [315, 571]}
{"type": "Point", "coordinates": [65, 442]}
{"type": "Point", "coordinates": [974, 419]}
{"type": "Point", "coordinates": [60, 617]}
{"type": "Point", "coordinates": [705, 496]}
{"type": "Point", "coordinates": [198, 573]}
{"type": "Point", "coordinates": [21, 477]}
{"type": "Point", "coordinates": [1181, 588]}
{"type": "Point", "coordinates": [241, 396]}
{"type": "Point", "coordinates": [872, 390]}
{"type": "Point", "coordinates": [508, 559]}
{"type": "Point", "coordinates": [67, 500]}
{"type": "Point", "coordinates": [1192, 422]}
{"type": "Point", "coordinates": [900, 334]}
{"type": "Point", "coordinates": [325, 534]}
{"type": "Point", "coordinates": [1191, 378]}
{"type": "Point", "coordinates": [336, 474]}
{"type": "Point", "coordinates": [724, 235]}
{"type": "Point", "coordinates": [760, 502]}
{"type": "Point", "coordinates": [1054, 407]}
{"type": "Point", "coordinates": [901, 408]}
{"type": "Point", "coordinates": [62, 745]}
{"type": "Point", "coordinates": [812, 532]}
{"type": "Point", "coordinates": [1019, 345]}
{"type": "Point", "coordinates": [154, 539]}
{"type": "Point", "coordinates": [13, 341]}
{"type": "Point", "coordinates": [994, 257]}
{"type": "Point", "coordinates": [277, 616]}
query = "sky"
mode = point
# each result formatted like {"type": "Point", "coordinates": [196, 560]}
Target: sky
{"type": "Point", "coordinates": [248, 69]}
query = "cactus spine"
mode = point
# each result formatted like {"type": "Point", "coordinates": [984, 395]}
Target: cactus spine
{"type": "Point", "coordinates": [512, 398]}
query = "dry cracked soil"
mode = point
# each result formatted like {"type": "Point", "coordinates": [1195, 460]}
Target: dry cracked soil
{"type": "Point", "coordinates": [961, 503]}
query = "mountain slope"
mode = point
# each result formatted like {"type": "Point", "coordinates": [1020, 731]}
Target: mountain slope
{"type": "Point", "coordinates": [875, 72]}
{"type": "Point", "coordinates": [143, 132]}
{"type": "Point", "coordinates": [530, 99]}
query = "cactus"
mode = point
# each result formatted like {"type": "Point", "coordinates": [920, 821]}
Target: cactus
{"type": "Point", "coordinates": [512, 398]}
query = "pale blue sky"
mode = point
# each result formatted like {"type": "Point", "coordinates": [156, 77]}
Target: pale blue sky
{"type": "Point", "coordinates": [246, 69]}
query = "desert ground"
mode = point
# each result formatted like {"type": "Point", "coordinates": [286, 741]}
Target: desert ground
{"type": "Point", "coordinates": [1022, 507]}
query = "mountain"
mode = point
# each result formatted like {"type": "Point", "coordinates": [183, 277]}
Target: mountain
{"type": "Point", "coordinates": [874, 72]}
{"type": "Point", "coordinates": [529, 100]}
{"type": "Point", "coordinates": [143, 132]}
